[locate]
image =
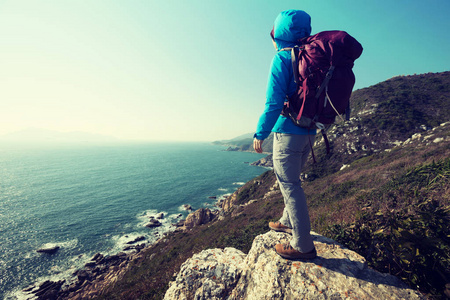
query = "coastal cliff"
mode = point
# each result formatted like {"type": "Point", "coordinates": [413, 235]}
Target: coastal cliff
{"type": "Point", "coordinates": [380, 201]}
{"type": "Point", "coordinates": [374, 219]}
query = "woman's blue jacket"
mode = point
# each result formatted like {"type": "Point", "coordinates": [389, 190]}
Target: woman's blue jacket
{"type": "Point", "coordinates": [290, 26]}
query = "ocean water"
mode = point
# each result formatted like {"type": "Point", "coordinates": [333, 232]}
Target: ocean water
{"type": "Point", "coordinates": [90, 199]}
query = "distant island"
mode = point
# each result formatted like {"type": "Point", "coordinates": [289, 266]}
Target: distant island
{"type": "Point", "coordinates": [245, 143]}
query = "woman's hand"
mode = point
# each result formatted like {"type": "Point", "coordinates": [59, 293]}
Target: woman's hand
{"type": "Point", "coordinates": [257, 145]}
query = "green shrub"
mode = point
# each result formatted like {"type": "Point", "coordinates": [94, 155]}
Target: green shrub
{"type": "Point", "coordinates": [409, 235]}
{"type": "Point", "coordinates": [414, 248]}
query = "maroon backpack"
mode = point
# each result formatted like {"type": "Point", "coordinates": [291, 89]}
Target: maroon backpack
{"type": "Point", "coordinates": [323, 73]}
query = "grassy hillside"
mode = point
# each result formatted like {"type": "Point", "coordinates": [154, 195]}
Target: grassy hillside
{"type": "Point", "coordinates": [394, 209]}
{"type": "Point", "coordinates": [382, 116]}
{"type": "Point", "coordinates": [402, 104]}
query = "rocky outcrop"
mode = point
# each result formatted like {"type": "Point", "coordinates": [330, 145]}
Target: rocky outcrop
{"type": "Point", "coordinates": [228, 202]}
{"type": "Point", "coordinates": [100, 272]}
{"type": "Point", "coordinates": [153, 223]}
{"type": "Point", "coordinates": [46, 290]}
{"type": "Point", "coordinates": [199, 217]}
{"type": "Point", "coordinates": [138, 239]}
{"type": "Point", "coordinates": [266, 162]}
{"type": "Point", "coordinates": [336, 273]}
{"type": "Point", "coordinates": [48, 250]}
{"type": "Point", "coordinates": [186, 207]}
{"type": "Point", "coordinates": [89, 281]}
{"type": "Point", "coordinates": [210, 274]}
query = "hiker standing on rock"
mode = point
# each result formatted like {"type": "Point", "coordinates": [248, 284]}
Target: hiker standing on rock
{"type": "Point", "coordinates": [291, 143]}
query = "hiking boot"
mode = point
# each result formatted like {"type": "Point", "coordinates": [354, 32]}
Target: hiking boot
{"type": "Point", "coordinates": [277, 226]}
{"type": "Point", "coordinates": [286, 251]}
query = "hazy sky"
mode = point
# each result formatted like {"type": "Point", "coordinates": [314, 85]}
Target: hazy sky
{"type": "Point", "coordinates": [184, 69]}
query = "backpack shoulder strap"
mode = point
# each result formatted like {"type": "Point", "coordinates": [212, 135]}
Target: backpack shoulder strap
{"type": "Point", "coordinates": [294, 60]}
{"type": "Point", "coordinates": [324, 84]}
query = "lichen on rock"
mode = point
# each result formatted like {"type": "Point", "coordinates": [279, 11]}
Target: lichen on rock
{"type": "Point", "coordinates": [210, 274]}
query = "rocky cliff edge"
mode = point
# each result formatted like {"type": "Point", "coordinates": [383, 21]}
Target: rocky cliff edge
{"type": "Point", "coordinates": [337, 273]}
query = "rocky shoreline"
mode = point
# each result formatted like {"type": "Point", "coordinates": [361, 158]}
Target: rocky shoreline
{"type": "Point", "coordinates": [101, 271]}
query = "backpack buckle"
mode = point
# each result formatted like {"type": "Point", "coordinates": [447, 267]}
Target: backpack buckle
{"type": "Point", "coordinates": [320, 125]}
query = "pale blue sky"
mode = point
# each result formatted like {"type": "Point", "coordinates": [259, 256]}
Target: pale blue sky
{"type": "Point", "coordinates": [184, 70]}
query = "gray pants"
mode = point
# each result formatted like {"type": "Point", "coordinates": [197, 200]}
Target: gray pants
{"type": "Point", "coordinates": [290, 152]}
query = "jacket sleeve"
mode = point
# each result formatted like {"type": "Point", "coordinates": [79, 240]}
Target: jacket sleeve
{"type": "Point", "coordinates": [277, 89]}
